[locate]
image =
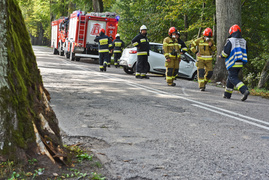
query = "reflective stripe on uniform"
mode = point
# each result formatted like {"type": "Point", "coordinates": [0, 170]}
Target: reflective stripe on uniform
{"type": "Point", "coordinates": [143, 40]}
{"type": "Point", "coordinates": [110, 45]}
{"type": "Point", "coordinates": [137, 74]}
{"type": "Point", "coordinates": [101, 67]}
{"type": "Point", "coordinates": [135, 43]}
{"type": "Point", "coordinates": [169, 78]}
{"type": "Point", "coordinates": [117, 51]}
{"type": "Point", "coordinates": [142, 53]}
{"type": "Point", "coordinates": [166, 44]}
{"type": "Point", "coordinates": [184, 49]}
{"type": "Point", "coordinates": [201, 80]}
{"type": "Point", "coordinates": [103, 50]}
{"type": "Point", "coordinates": [118, 44]}
{"type": "Point", "coordinates": [192, 48]}
{"type": "Point", "coordinates": [224, 54]}
{"type": "Point", "coordinates": [239, 85]}
{"type": "Point", "coordinates": [103, 41]}
{"type": "Point", "coordinates": [238, 64]}
{"type": "Point", "coordinates": [229, 90]}
{"type": "Point", "coordinates": [205, 57]}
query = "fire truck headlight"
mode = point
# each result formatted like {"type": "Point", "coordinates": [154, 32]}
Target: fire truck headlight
{"type": "Point", "coordinates": [118, 18]}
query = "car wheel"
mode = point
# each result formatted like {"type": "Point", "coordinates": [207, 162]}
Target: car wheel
{"type": "Point", "coordinates": [194, 76]}
{"type": "Point", "coordinates": [54, 50]}
{"type": "Point", "coordinates": [127, 70]}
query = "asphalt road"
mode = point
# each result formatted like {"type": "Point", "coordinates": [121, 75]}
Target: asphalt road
{"type": "Point", "coordinates": [151, 131]}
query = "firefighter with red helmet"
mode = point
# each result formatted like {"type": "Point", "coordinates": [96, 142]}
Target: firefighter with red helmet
{"type": "Point", "coordinates": [172, 54]}
{"type": "Point", "coordinates": [235, 54]}
{"type": "Point", "coordinates": [104, 46]}
{"type": "Point", "coordinates": [118, 45]}
{"type": "Point", "coordinates": [204, 56]}
{"type": "Point", "coordinates": [141, 42]}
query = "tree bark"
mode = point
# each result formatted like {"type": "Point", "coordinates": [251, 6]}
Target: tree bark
{"type": "Point", "coordinates": [228, 13]}
{"type": "Point", "coordinates": [186, 26]}
{"type": "Point", "coordinates": [202, 19]}
{"type": "Point", "coordinates": [97, 5]}
{"type": "Point", "coordinates": [28, 124]}
{"type": "Point", "coordinates": [264, 76]}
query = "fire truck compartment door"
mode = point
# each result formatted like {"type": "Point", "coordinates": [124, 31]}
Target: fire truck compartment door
{"type": "Point", "coordinates": [93, 29]}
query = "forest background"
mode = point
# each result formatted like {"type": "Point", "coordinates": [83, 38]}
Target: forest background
{"type": "Point", "coordinates": [191, 17]}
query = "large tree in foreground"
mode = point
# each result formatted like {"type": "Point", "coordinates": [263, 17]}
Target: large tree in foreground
{"type": "Point", "coordinates": [28, 125]}
{"type": "Point", "coordinates": [228, 13]}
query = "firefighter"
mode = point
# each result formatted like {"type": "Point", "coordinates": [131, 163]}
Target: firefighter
{"type": "Point", "coordinates": [104, 47]}
{"type": "Point", "coordinates": [172, 54]}
{"type": "Point", "coordinates": [204, 56]}
{"type": "Point", "coordinates": [110, 52]}
{"type": "Point", "coordinates": [118, 45]}
{"type": "Point", "coordinates": [141, 42]}
{"type": "Point", "coordinates": [235, 52]}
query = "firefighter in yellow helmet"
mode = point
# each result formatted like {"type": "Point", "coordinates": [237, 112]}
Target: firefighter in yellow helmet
{"type": "Point", "coordinates": [172, 54]}
{"type": "Point", "coordinates": [204, 56]}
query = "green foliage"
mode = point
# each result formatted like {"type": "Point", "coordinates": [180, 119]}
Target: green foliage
{"type": "Point", "coordinates": [255, 27]}
{"type": "Point", "coordinates": [84, 156]}
{"type": "Point", "coordinates": [32, 161]}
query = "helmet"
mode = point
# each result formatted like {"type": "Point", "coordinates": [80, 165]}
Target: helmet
{"type": "Point", "coordinates": [102, 30]}
{"type": "Point", "coordinates": [234, 28]}
{"type": "Point", "coordinates": [172, 30]}
{"type": "Point", "coordinates": [118, 35]}
{"type": "Point", "coordinates": [208, 32]}
{"type": "Point", "coordinates": [143, 27]}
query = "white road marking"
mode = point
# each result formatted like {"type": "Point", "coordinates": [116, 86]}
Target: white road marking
{"type": "Point", "coordinates": [230, 116]}
{"type": "Point", "coordinates": [202, 105]}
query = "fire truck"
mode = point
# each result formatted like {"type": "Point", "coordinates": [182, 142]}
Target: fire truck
{"type": "Point", "coordinates": [82, 30]}
{"type": "Point", "coordinates": [59, 34]}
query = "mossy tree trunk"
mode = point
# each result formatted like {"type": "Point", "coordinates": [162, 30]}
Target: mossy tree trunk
{"type": "Point", "coordinates": [28, 125]}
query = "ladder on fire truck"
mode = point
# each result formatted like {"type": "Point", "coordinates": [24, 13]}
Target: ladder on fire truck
{"type": "Point", "coordinates": [82, 29]}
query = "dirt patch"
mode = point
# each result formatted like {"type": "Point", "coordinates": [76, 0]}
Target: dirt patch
{"type": "Point", "coordinates": [41, 167]}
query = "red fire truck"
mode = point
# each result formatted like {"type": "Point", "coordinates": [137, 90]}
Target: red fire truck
{"type": "Point", "coordinates": [82, 29]}
{"type": "Point", "coordinates": [59, 34]}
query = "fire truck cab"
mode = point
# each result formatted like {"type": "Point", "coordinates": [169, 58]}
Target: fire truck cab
{"type": "Point", "coordinates": [59, 34]}
{"type": "Point", "coordinates": [82, 30]}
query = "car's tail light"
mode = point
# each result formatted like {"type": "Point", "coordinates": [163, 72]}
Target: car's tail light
{"type": "Point", "coordinates": [132, 51]}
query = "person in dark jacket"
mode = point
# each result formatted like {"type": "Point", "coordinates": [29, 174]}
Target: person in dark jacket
{"type": "Point", "coordinates": [104, 46]}
{"type": "Point", "coordinates": [117, 45]}
{"type": "Point", "coordinates": [141, 42]}
{"type": "Point", "coordinates": [235, 52]}
{"type": "Point", "coordinates": [181, 44]}
{"type": "Point", "coordinates": [110, 52]}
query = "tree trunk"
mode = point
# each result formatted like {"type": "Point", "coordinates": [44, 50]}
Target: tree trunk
{"type": "Point", "coordinates": [264, 76]}
{"type": "Point", "coordinates": [97, 5]}
{"type": "Point", "coordinates": [186, 26]}
{"type": "Point", "coordinates": [28, 125]}
{"type": "Point", "coordinates": [228, 13]}
{"type": "Point", "coordinates": [202, 19]}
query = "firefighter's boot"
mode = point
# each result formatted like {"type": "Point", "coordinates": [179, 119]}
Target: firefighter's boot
{"type": "Point", "coordinates": [245, 95]}
{"type": "Point", "coordinates": [171, 84]}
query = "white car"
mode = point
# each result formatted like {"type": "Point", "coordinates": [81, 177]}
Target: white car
{"type": "Point", "coordinates": [156, 61]}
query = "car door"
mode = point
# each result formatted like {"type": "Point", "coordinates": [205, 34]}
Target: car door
{"type": "Point", "coordinates": [156, 59]}
{"type": "Point", "coordinates": [186, 66]}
